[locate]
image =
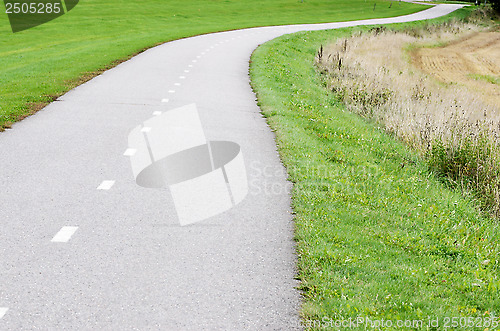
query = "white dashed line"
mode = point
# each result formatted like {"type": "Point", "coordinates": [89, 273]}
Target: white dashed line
{"type": "Point", "coordinates": [157, 113]}
{"type": "Point", "coordinates": [146, 129]}
{"type": "Point", "coordinates": [3, 311]}
{"type": "Point", "coordinates": [177, 84]}
{"type": "Point", "coordinates": [64, 235]}
{"type": "Point", "coordinates": [131, 151]}
{"type": "Point", "coordinates": [107, 184]}
{"type": "Point", "coordinates": [198, 57]}
{"type": "Point", "coordinates": [194, 61]}
{"type": "Point", "coordinates": [164, 100]}
{"type": "Point", "coordinates": [190, 66]}
{"type": "Point", "coordinates": [171, 91]}
{"type": "Point", "coordinates": [182, 77]}
{"type": "Point", "coordinates": [186, 71]}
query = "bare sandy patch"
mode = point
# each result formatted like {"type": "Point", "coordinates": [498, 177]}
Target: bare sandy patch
{"type": "Point", "coordinates": [473, 61]}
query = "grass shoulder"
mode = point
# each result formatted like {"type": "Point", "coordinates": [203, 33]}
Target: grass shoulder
{"type": "Point", "coordinates": [377, 234]}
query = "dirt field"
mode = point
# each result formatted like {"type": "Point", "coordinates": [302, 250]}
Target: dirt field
{"type": "Point", "coordinates": [473, 61]}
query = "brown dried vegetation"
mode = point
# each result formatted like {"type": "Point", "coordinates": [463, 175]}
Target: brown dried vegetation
{"type": "Point", "coordinates": [454, 120]}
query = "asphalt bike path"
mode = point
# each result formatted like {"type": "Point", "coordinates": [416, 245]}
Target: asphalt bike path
{"type": "Point", "coordinates": [83, 246]}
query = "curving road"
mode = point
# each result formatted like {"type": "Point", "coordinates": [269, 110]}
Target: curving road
{"type": "Point", "coordinates": [84, 247]}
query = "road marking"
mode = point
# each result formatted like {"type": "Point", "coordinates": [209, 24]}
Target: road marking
{"type": "Point", "coordinates": [177, 84]}
{"type": "Point", "coordinates": [3, 311]}
{"type": "Point", "coordinates": [107, 184]}
{"type": "Point", "coordinates": [171, 91]}
{"type": "Point", "coordinates": [182, 77]}
{"type": "Point", "coordinates": [186, 71]}
{"type": "Point", "coordinates": [164, 100]}
{"type": "Point", "coordinates": [130, 151]}
{"type": "Point", "coordinates": [198, 57]}
{"type": "Point", "coordinates": [190, 66]}
{"type": "Point", "coordinates": [157, 113]}
{"type": "Point", "coordinates": [194, 61]}
{"type": "Point", "coordinates": [146, 129]}
{"type": "Point", "coordinates": [64, 235]}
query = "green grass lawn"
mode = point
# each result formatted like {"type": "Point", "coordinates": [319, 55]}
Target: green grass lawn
{"type": "Point", "coordinates": [377, 234]}
{"type": "Point", "coordinates": [43, 62]}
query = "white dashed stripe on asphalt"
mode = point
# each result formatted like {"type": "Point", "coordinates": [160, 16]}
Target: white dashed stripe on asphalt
{"type": "Point", "coordinates": [107, 184]}
{"type": "Point", "coordinates": [157, 113]}
{"type": "Point", "coordinates": [65, 234]}
{"type": "Point", "coordinates": [164, 100]}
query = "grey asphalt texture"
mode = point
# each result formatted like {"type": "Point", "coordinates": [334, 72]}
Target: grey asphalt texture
{"type": "Point", "coordinates": [130, 265]}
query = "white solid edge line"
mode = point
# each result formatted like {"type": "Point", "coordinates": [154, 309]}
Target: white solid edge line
{"type": "Point", "coordinates": [131, 151]}
{"type": "Point", "coordinates": [107, 184]}
{"type": "Point", "coordinates": [65, 234]}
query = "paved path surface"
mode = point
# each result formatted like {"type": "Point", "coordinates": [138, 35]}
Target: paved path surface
{"type": "Point", "coordinates": [129, 265]}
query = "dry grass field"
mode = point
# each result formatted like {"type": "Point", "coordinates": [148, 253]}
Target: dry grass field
{"type": "Point", "coordinates": [435, 87]}
{"type": "Point", "coordinates": [473, 61]}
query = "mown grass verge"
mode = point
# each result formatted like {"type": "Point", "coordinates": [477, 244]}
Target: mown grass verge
{"type": "Point", "coordinates": [40, 64]}
{"type": "Point", "coordinates": [377, 234]}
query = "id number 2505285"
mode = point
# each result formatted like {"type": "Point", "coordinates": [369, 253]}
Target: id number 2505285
{"type": "Point", "coordinates": [33, 8]}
